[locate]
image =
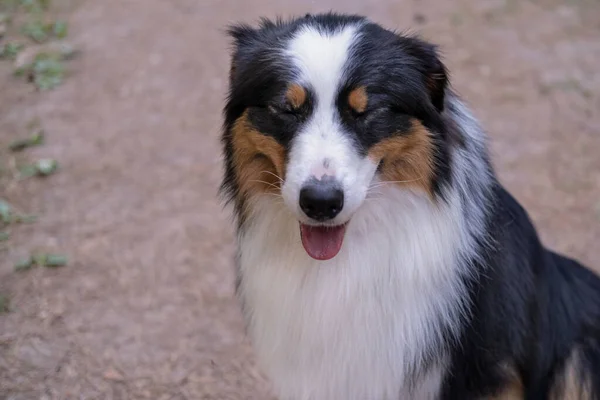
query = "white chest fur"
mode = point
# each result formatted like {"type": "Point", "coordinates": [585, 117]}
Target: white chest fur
{"type": "Point", "coordinates": [358, 326]}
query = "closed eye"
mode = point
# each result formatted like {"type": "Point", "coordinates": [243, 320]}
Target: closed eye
{"type": "Point", "coordinates": [286, 110]}
{"type": "Point", "coordinates": [282, 109]}
{"type": "Point", "coordinates": [371, 113]}
{"type": "Point", "coordinates": [358, 114]}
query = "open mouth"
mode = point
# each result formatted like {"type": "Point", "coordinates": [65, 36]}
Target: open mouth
{"type": "Point", "coordinates": [322, 242]}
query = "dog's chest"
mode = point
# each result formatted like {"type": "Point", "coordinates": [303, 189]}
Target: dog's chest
{"type": "Point", "coordinates": [330, 341]}
{"type": "Point", "coordinates": [364, 325]}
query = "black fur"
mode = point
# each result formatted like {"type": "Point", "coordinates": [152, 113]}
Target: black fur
{"type": "Point", "coordinates": [403, 75]}
{"type": "Point", "coordinates": [529, 308]}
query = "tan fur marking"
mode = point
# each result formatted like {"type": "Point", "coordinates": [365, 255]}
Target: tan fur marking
{"type": "Point", "coordinates": [258, 159]}
{"type": "Point", "coordinates": [572, 383]}
{"type": "Point", "coordinates": [296, 95]}
{"type": "Point", "coordinates": [513, 390]}
{"type": "Point", "coordinates": [433, 81]}
{"type": "Point", "coordinates": [358, 99]}
{"type": "Point", "coordinates": [407, 159]}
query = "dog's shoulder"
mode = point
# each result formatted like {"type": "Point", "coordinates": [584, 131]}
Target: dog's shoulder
{"type": "Point", "coordinates": [535, 317]}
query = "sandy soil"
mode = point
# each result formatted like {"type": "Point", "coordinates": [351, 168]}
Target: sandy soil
{"type": "Point", "coordinates": [145, 310]}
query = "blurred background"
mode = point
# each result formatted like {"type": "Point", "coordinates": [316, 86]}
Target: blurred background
{"type": "Point", "coordinates": [116, 277]}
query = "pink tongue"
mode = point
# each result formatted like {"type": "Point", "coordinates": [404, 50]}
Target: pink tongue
{"type": "Point", "coordinates": [320, 242]}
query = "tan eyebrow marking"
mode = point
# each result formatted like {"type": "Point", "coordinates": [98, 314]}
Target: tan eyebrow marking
{"type": "Point", "coordinates": [296, 95]}
{"type": "Point", "coordinates": [358, 99]}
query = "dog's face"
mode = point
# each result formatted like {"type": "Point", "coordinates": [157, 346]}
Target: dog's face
{"type": "Point", "coordinates": [325, 108]}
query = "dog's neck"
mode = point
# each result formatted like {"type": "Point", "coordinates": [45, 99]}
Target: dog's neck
{"type": "Point", "coordinates": [367, 320]}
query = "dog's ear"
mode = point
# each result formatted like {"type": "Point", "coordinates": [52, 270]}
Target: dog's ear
{"type": "Point", "coordinates": [243, 36]}
{"type": "Point", "coordinates": [433, 70]}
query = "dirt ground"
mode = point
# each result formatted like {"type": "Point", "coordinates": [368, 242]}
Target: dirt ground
{"type": "Point", "coordinates": [145, 310]}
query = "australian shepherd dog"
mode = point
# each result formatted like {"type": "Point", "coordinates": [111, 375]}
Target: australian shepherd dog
{"type": "Point", "coordinates": [378, 256]}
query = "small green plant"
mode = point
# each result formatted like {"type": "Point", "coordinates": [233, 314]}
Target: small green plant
{"type": "Point", "coordinates": [36, 139]}
{"type": "Point", "coordinates": [4, 304]}
{"type": "Point", "coordinates": [43, 167]}
{"type": "Point", "coordinates": [41, 260]}
{"type": "Point", "coordinates": [40, 32]}
{"type": "Point", "coordinates": [9, 216]}
{"type": "Point", "coordinates": [47, 71]}
{"type": "Point", "coordinates": [25, 218]}
{"type": "Point", "coordinates": [42, 65]}
{"type": "Point", "coordinates": [6, 212]}
{"type": "Point", "coordinates": [60, 29]}
{"type": "Point", "coordinates": [35, 6]}
{"type": "Point", "coordinates": [36, 30]}
{"type": "Point", "coordinates": [24, 264]}
{"type": "Point", "coordinates": [10, 50]}
{"type": "Point", "coordinates": [46, 166]}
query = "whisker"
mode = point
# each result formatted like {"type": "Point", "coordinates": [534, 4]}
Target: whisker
{"type": "Point", "coordinates": [375, 200]}
{"type": "Point", "coordinates": [383, 183]}
{"type": "Point", "coordinates": [274, 195]}
{"type": "Point", "coordinates": [374, 196]}
{"type": "Point", "coordinates": [275, 175]}
{"type": "Point", "coordinates": [371, 191]}
{"type": "Point", "coordinates": [265, 182]}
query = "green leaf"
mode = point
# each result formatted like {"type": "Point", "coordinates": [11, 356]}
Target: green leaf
{"type": "Point", "coordinates": [46, 166]}
{"type": "Point", "coordinates": [55, 260]}
{"type": "Point", "coordinates": [24, 70]}
{"type": "Point", "coordinates": [48, 71]}
{"type": "Point", "coordinates": [35, 6]}
{"type": "Point", "coordinates": [19, 144]}
{"type": "Point", "coordinates": [39, 259]}
{"type": "Point", "coordinates": [10, 50]}
{"type": "Point", "coordinates": [4, 236]}
{"type": "Point", "coordinates": [27, 171]}
{"type": "Point", "coordinates": [35, 139]}
{"type": "Point", "coordinates": [47, 82]}
{"type": "Point", "coordinates": [36, 30]}
{"type": "Point", "coordinates": [60, 29]}
{"type": "Point", "coordinates": [24, 264]}
{"type": "Point", "coordinates": [5, 211]}
{"type": "Point", "coordinates": [25, 218]}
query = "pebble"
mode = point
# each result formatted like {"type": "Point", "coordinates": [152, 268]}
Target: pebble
{"type": "Point", "coordinates": [112, 374]}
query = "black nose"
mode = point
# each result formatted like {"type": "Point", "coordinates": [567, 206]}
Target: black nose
{"type": "Point", "coordinates": [321, 200]}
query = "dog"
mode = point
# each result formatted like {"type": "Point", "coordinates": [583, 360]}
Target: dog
{"type": "Point", "coordinates": [378, 256]}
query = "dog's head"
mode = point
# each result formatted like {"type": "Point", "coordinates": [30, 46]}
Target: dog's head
{"type": "Point", "coordinates": [324, 107]}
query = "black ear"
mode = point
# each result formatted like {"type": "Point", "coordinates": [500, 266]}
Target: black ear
{"type": "Point", "coordinates": [433, 70]}
{"type": "Point", "coordinates": [436, 81]}
{"type": "Point", "coordinates": [243, 36]}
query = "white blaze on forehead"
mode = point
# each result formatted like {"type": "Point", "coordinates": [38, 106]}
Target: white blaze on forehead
{"type": "Point", "coordinates": [321, 57]}
{"type": "Point", "coordinates": [322, 146]}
